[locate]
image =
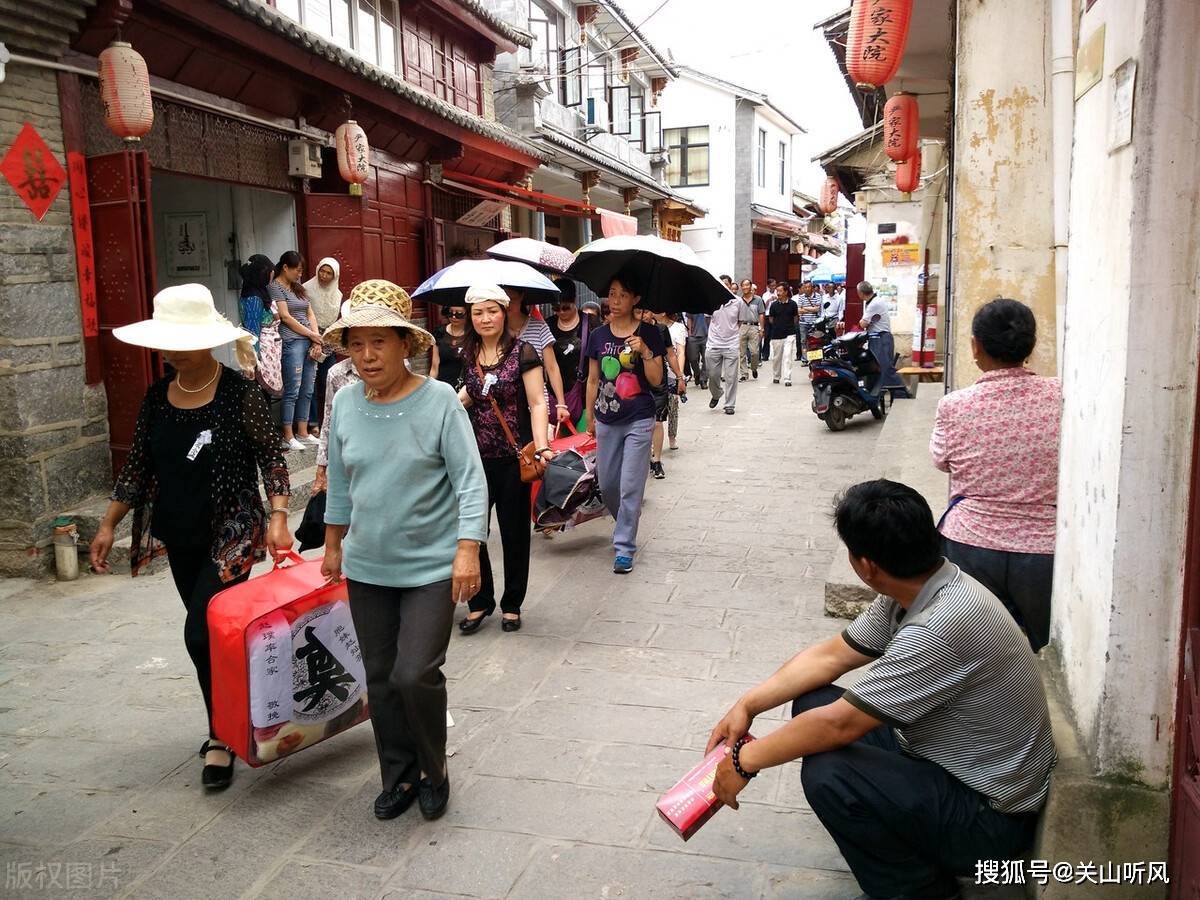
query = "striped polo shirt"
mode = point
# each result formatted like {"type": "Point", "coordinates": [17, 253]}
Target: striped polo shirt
{"type": "Point", "coordinates": [955, 678]}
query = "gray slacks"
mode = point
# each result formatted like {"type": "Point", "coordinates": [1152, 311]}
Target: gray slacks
{"type": "Point", "coordinates": [622, 467]}
{"type": "Point", "coordinates": [403, 634]}
{"type": "Point", "coordinates": [723, 367]}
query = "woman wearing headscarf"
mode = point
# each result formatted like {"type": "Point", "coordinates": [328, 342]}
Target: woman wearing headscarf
{"type": "Point", "coordinates": [204, 440]}
{"type": "Point", "coordinates": [408, 555]}
{"type": "Point", "coordinates": [325, 297]}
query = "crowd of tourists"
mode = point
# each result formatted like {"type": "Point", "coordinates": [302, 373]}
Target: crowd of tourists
{"type": "Point", "coordinates": [938, 756]}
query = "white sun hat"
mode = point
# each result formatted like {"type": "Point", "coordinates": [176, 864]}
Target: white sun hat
{"type": "Point", "coordinates": [185, 318]}
{"type": "Point", "coordinates": [482, 293]}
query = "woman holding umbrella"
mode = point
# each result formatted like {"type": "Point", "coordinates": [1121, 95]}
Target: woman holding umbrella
{"type": "Point", "coordinates": [625, 361]}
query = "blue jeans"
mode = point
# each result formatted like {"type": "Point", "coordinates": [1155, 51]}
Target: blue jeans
{"type": "Point", "coordinates": [622, 467]}
{"type": "Point", "coordinates": [299, 370]}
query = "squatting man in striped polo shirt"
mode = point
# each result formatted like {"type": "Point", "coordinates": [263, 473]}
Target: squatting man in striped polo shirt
{"type": "Point", "coordinates": [940, 754]}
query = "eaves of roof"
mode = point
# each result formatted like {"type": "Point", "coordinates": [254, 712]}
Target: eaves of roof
{"type": "Point", "coordinates": [623, 19]}
{"type": "Point", "coordinates": [482, 11]}
{"type": "Point", "coordinates": [838, 154]}
{"type": "Point", "coordinates": [269, 18]}
{"type": "Point", "coordinates": [739, 91]}
{"type": "Point", "coordinates": [604, 161]}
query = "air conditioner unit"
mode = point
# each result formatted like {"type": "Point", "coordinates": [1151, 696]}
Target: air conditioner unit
{"type": "Point", "coordinates": [304, 159]}
{"type": "Point", "coordinates": [597, 113]}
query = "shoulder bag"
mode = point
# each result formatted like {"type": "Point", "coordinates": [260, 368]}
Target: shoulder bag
{"type": "Point", "coordinates": [532, 467]}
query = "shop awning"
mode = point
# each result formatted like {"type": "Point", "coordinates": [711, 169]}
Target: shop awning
{"type": "Point", "coordinates": [776, 221]}
{"type": "Point", "coordinates": [614, 224]}
{"type": "Point", "coordinates": [519, 196]}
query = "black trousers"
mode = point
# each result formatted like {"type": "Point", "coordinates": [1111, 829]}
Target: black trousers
{"type": "Point", "coordinates": [510, 497]}
{"type": "Point", "coordinates": [1022, 581]}
{"type": "Point", "coordinates": [197, 581]}
{"type": "Point", "coordinates": [905, 825]}
{"type": "Point", "coordinates": [403, 633]}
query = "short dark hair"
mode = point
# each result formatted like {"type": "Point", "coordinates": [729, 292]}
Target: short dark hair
{"type": "Point", "coordinates": [630, 279]}
{"type": "Point", "coordinates": [890, 524]}
{"type": "Point", "coordinates": [344, 338]}
{"type": "Point", "coordinates": [1006, 330]}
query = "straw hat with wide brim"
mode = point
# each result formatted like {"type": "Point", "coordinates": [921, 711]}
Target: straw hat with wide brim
{"type": "Point", "coordinates": [185, 318]}
{"type": "Point", "coordinates": [380, 304]}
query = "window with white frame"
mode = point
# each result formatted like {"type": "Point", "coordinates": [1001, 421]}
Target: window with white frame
{"type": "Point", "coordinates": [546, 26]}
{"type": "Point", "coordinates": [782, 167]}
{"type": "Point", "coordinates": [637, 128]}
{"type": "Point", "coordinates": [687, 156]}
{"type": "Point", "coordinates": [621, 112]}
{"type": "Point", "coordinates": [572, 68]}
{"type": "Point", "coordinates": [653, 131]}
{"type": "Point", "coordinates": [762, 157]}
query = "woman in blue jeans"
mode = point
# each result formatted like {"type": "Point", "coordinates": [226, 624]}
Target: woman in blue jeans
{"type": "Point", "coordinates": [301, 348]}
{"type": "Point", "coordinates": [625, 359]}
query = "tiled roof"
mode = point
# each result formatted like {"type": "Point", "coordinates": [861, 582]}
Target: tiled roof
{"type": "Point", "coordinates": [482, 11]}
{"type": "Point", "coordinates": [269, 18]}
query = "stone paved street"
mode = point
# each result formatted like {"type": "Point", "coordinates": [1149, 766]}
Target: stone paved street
{"type": "Point", "coordinates": [564, 734]}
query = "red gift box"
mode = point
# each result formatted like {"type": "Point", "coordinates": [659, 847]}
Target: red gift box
{"type": "Point", "coordinates": [692, 802]}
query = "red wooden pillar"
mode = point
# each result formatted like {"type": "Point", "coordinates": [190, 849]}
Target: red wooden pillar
{"type": "Point", "coordinates": [123, 238]}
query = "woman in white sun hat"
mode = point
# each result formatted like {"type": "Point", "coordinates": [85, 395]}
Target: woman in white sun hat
{"type": "Point", "coordinates": [204, 437]}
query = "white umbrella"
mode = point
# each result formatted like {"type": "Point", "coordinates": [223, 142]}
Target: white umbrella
{"type": "Point", "coordinates": [542, 256]}
{"type": "Point", "coordinates": [670, 274]}
{"type": "Point", "coordinates": [449, 286]}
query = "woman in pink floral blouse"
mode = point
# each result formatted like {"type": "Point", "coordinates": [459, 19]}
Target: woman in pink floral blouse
{"type": "Point", "coordinates": [999, 441]}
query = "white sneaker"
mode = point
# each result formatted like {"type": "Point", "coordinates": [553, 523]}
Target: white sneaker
{"type": "Point", "coordinates": [294, 444]}
{"type": "Point", "coordinates": [312, 439]}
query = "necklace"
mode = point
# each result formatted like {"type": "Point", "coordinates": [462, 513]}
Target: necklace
{"type": "Point", "coordinates": [203, 387]}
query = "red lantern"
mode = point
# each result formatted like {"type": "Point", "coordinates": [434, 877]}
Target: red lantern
{"type": "Point", "coordinates": [353, 155]}
{"type": "Point", "coordinates": [908, 174]}
{"type": "Point", "coordinates": [829, 195]}
{"type": "Point", "coordinates": [125, 91]}
{"type": "Point", "coordinates": [901, 127]}
{"type": "Point", "coordinates": [875, 46]}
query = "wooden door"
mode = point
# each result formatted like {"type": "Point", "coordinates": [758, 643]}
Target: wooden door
{"type": "Point", "coordinates": [333, 226]}
{"type": "Point", "coordinates": [119, 200]}
{"type": "Point", "coordinates": [1184, 865]}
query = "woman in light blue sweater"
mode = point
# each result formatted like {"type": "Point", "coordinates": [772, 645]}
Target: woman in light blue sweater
{"type": "Point", "coordinates": [405, 515]}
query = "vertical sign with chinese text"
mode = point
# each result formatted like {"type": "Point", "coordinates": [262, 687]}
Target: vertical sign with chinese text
{"type": "Point", "coordinates": [85, 263]}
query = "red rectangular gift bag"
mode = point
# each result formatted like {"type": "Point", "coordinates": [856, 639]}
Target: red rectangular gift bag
{"type": "Point", "coordinates": [286, 666]}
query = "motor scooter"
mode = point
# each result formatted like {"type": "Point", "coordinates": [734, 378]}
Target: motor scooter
{"type": "Point", "coordinates": [845, 380]}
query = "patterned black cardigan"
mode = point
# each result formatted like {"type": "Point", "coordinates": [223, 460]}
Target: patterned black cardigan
{"type": "Point", "coordinates": [245, 444]}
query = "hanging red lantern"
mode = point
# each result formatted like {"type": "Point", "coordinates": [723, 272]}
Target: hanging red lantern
{"type": "Point", "coordinates": [908, 174]}
{"type": "Point", "coordinates": [125, 91]}
{"type": "Point", "coordinates": [829, 196]}
{"type": "Point", "coordinates": [901, 127]}
{"type": "Point", "coordinates": [353, 155]}
{"type": "Point", "coordinates": [875, 46]}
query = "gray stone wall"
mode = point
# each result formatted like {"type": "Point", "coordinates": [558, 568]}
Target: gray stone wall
{"type": "Point", "coordinates": [53, 429]}
{"type": "Point", "coordinates": [743, 191]}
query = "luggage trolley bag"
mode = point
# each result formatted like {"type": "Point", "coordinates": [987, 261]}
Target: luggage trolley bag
{"type": "Point", "coordinates": [286, 666]}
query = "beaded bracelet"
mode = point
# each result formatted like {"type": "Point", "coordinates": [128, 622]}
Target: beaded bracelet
{"type": "Point", "coordinates": [737, 766]}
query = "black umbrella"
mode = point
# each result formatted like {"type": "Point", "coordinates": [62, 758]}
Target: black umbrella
{"type": "Point", "coordinates": [671, 275]}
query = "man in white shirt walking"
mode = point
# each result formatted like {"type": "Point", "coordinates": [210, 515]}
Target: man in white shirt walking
{"type": "Point", "coordinates": [721, 354]}
{"type": "Point", "coordinates": [877, 320]}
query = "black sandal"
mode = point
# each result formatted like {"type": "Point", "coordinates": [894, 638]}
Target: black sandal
{"type": "Point", "coordinates": [216, 778]}
{"type": "Point", "coordinates": [471, 625]}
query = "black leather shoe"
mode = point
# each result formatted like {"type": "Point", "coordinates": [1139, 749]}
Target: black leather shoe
{"type": "Point", "coordinates": [511, 624]}
{"type": "Point", "coordinates": [390, 804]}
{"type": "Point", "coordinates": [433, 800]}
{"type": "Point", "coordinates": [470, 625]}
{"type": "Point", "coordinates": [216, 778]}
{"type": "Point", "coordinates": [712, 404]}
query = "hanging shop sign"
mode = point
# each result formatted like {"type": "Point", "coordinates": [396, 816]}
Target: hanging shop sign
{"type": "Point", "coordinates": [32, 170]}
{"type": "Point", "coordinates": [186, 239]}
